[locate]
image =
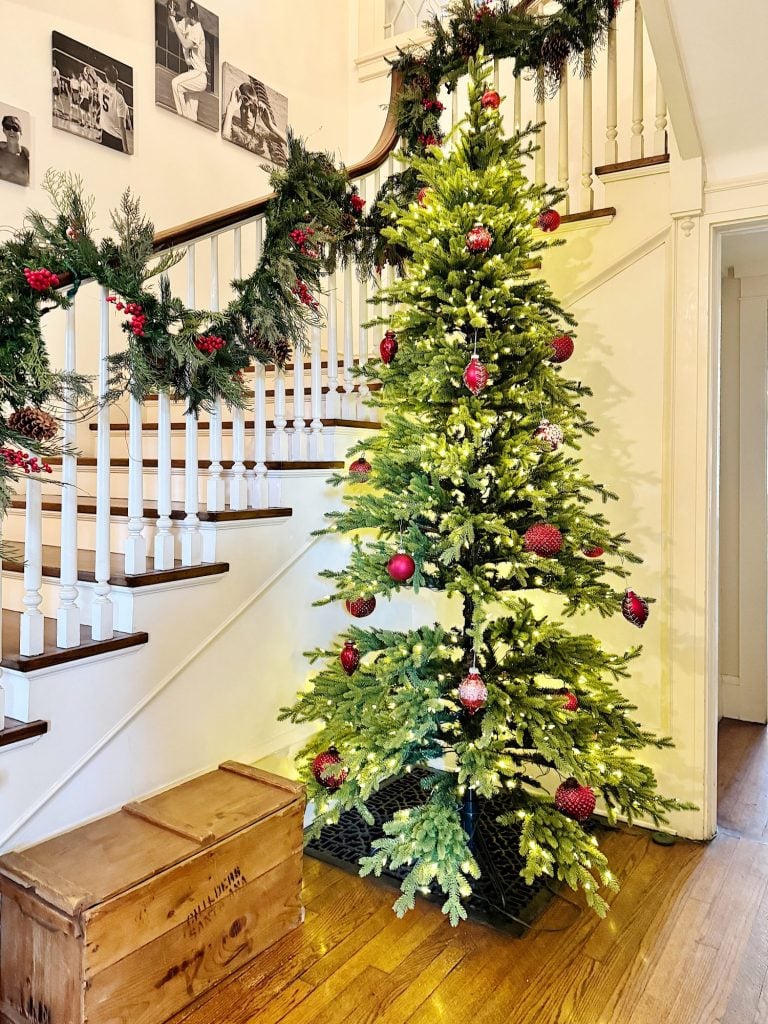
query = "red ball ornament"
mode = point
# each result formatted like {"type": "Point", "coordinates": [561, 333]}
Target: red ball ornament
{"type": "Point", "coordinates": [593, 552]}
{"type": "Point", "coordinates": [490, 100]}
{"type": "Point", "coordinates": [634, 609]}
{"type": "Point", "coordinates": [360, 470]}
{"type": "Point", "coordinates": [473, 693]}
{"type": "Point", "coordinates": [571, 701]}
{"type": "Point", "coordinates": [562, 348]}
{"type": "Point", "coordinates": [401, 567]}
{"type": "Point", "coordinates": [327, 759]}
{"type": "Point", "coordinates": [388, 347]}
{"type": "Point", "coordinates": [479, 239]}
{"type": "Point", "coordinates": [423, 196]}
{"type": "Point", "coordinates": [360, 607]}
{"type": "Point", "coordinates": [575, 801]}
{"type": "Point", "coordinates": [475, 375]}
{"type": "Point", "coordinates": [349, 657]}
{"type": "Point", "coordinates": [549, 434]}
{"type": "Point", "coordinates": [548, 220]}
{"type": "Point", "coordinates": [544, 540]}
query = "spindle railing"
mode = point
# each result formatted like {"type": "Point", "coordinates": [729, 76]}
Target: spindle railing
{"type": "Point", "coordinates": [582, 120]}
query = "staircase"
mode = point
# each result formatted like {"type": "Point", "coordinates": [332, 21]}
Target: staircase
{"type": "Point", "coordinates": [159, 598]}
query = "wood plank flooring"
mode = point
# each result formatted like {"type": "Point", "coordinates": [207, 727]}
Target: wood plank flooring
{"type": "Point", "coordinates": [686, 941]}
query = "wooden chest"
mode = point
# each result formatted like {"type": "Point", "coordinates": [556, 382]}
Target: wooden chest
{"type": "Point", "coordinates": [129, 919]}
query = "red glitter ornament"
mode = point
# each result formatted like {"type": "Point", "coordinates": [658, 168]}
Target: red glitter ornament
{"type": "Point", "coordinates": [575, 801]}
{"type": "Point", "coordinates": [360, 470]}
{"type": "Point", "coordinates": [475, 375]}
{"type": "Point", "coordinates": [327, 759]}
{"type": "Point", "coordinates": [349, 657]}
{"type": "Point", "coordinates": [562, 348]}
{"type": "Point", "coordinates": [544, 540]}
{"type": "Point", "coordinates": [571, 702]}
{"type": "Point", "coordinates": [549, 434]}
{"type": "Point", "coordinates": [594, 552]}
{"type": "Point", "coordinates": [473, 693]}
{"type": "Point", "coordinates": [360, 607]}
{"type": "Point", "coordinates": [388, 347]}
{"type": "Point", "coordinates": [401, 567]}
{"type": "Point", "coordinates": [548, 220]}
{"type": "Point", "coordinates": [490, 100]}
{"type": "Point", "coordinates": [634, 609]}
{"type": "Point", "coordinates": [41, 280]}
{"type": "Point", "coordinates": [479, 239]}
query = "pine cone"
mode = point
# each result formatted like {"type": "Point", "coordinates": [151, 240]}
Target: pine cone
{"type": "Point", "coordinates": [34, 423]}
{"type": "Point", "coordinates": [281, 351]}
{"type": "Point", "coordinates": [554, 50]}
{"type": "Point", "coordinates": [467, 42]}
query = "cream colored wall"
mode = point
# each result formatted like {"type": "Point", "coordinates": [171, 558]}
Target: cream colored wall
{"type": "Point", "coordinates": [179, 169]}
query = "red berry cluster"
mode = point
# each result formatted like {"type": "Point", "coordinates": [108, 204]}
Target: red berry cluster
{"type": "Point", "coordinates": [304, 294]}
{"type": "Point", "coordinates": [429, 140]}
{"type": "Point", "coordinates": [435, 105]}
{"type": "Point", "coordinates": [300, 239]}
{"type": "Point", "coordinates": [134, 311]}
{"type": "Point", "coordinates": [209, 343]}
{"type": "Point", "coordinates": [357, 203]}
{"type": "Point", "coordinates": [483, 11]}
{"type": "Point", "coordinates": [41, 280]}
{"type": "Point", "coordinates": [20, 460]}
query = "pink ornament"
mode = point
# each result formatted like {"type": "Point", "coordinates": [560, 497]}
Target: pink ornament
{"type": "Point", "coordinates": [475, 375]}
{"type": "Point", "coordinates": [634, 609]}
{"type": "Point", "coordinates": [549, 434]}
{"type": "Point", "coordinates": [401, 567]}
{"type": "Point", "coordinates": [473, 693]}
{"type": "Point", "coordinates": [575, 801]}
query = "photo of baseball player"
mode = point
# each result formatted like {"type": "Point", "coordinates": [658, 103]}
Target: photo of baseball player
{"type": "Point", "coordinates": [92, 95]}
{"type": "Point", "coordinates": [186, 60]}
{"type": "Point", "coordinates": [14, 154]}
{"type": "Point", "coordinates": [254, 116]}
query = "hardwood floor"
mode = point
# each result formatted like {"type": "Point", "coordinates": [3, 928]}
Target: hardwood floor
{"type": "Point", "coordinates": [686, 941]}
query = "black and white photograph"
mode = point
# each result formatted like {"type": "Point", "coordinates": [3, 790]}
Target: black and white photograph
{"type": "Point", "coordinates": [14, 144]}
{"type": "Point", "coordinates": [187, 61]}
{"type": "Point", "coordinates": [254, 116]}
{"type": "Point", "coordinates": [92, 94]}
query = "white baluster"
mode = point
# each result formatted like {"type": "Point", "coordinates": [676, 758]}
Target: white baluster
{"type": "Point", "coordinates": [135, 544]}
{"type": "Point", "coordinates": [216, 491]}
{"type": "Point", "coordinates": [587, 164]}
{"type": "Point", "coordinates": [518, 104]}
{"type": "Point", "coordinates": [164, 557]}
{"type": "Point", "coordinates": [238, 485]}
{"type": "Point", "coordinates": [250, 474]}
{"type": "Point", "coordinates": [32, 621]}
{"type": "Point", "coordinates": [279, 435]}
{"type": "Point", "coordinates": [332, 398]}
{"type": "Point", "coordinates": [68, 614]}
{"type": "Point", "coordinates": [102, 611]}
{"type": "Point", "coordinates": [191, 538]}
{"type": "Point", "coordinates": [299, 436]}
{"type": "Point", "coordinates": [660, 124]}
{"type": "Point", "coordinates": [316, 426]}
{"type": "Point", "coordinates": [260, 493]}
{"type": "Point", "coordinates": [454, 114]}
{"type": "Point", "coordinates": [364, 390]}
{"type": "Point", "coordinates": [496, 66]}
{"type": "Point", "coordinates": [612, 99]}
{"type": "Point", "coordinates": [348, 399]}
{"type": "Point", "coordinates": [540, 159]}
{"type": "Point", "coordinates": [562, 148]}
{"type": "Point", "coordinates": [637, 150]}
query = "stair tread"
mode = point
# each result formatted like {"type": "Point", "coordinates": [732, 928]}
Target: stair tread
{"type": "Point", "coordinates": [14, 731]}
{"type": "Point", "coordinates": [86, 565]}
{"type": "Point", "coordinates": [119, 507]}
{"type": "Point", "coordinates": [249, 425]}
{"type": "Point", "coordinates": [89, 461]}
{"type": "Point", "coordinates": [632, 165]}
{"type": "Point", "coordinates": [53, 655]}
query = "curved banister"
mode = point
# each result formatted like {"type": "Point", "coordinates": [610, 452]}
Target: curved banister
{"type": "Point", "coordinates": [215, 222]}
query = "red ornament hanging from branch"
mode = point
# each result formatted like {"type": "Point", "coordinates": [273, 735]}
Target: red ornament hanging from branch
{"type": "Point", "coordinates": [475, 375]}
{"type": "Point", "coordinates": [479, 239]}
{"type": "Point", "coordinates": [490, 100]}
{"type": "Point", "coordinates": [388, 347]}
{"type": "Point", "coordinates": [593, 552]}
{"type": "Point", "coordinates": [473, 693]}
{"type": "Point", "coordinates": [424, 195]}
{"type": "Point", "coordinates": [544, 540]}
{"type": "Point", "coordinates": [549, 434]}
{"type": "Point", "coordinates": [349, 656]}
{"type": "Point", "coordinates": [571, 701]}
{"type": "Point", "coordinates": [634, 609]}
{"type": "Point", "coordinates": [401, 567]}
{"type": "Point", "coordinates": [360, 607]}
{"type": "Point", "coordinates": [327, 759]}
{"type": "Point", "coordinates": [360, 470]}
{"type": "Point", "coordinates": [548, 220]}
{"type": "Point", "coordinates": [575, 801]}
{"type": "Point", "coordinates": [562, 348]}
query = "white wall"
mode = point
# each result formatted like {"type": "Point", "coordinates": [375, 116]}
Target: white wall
{"type": "Point", "coordinates": [180, 170]}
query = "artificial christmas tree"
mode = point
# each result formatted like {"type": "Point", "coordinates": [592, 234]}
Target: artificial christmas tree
{"type": "Point", "coordinates": [500, 696]}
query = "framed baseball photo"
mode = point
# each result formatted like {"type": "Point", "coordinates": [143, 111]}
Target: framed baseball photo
{"type": "Point", "coordinates": [92, 94]}
{"type": "Point", "coordinates": [187, 61]}
{"type": "Point", "coordinates": [254, 116]}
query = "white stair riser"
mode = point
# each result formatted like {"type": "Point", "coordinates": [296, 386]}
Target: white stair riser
{"type": "Point", "coordinates": [122, 600]}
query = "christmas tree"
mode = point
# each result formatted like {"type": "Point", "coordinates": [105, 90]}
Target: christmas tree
{"type": "Point", "coordinates": [472, 488]}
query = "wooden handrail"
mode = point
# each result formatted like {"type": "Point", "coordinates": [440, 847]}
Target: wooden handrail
{"type": "Point", "coordinates": [202, 226]}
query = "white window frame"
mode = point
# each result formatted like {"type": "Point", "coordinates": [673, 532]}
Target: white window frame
{"type": "Point", "coordinates": [372, 46]}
